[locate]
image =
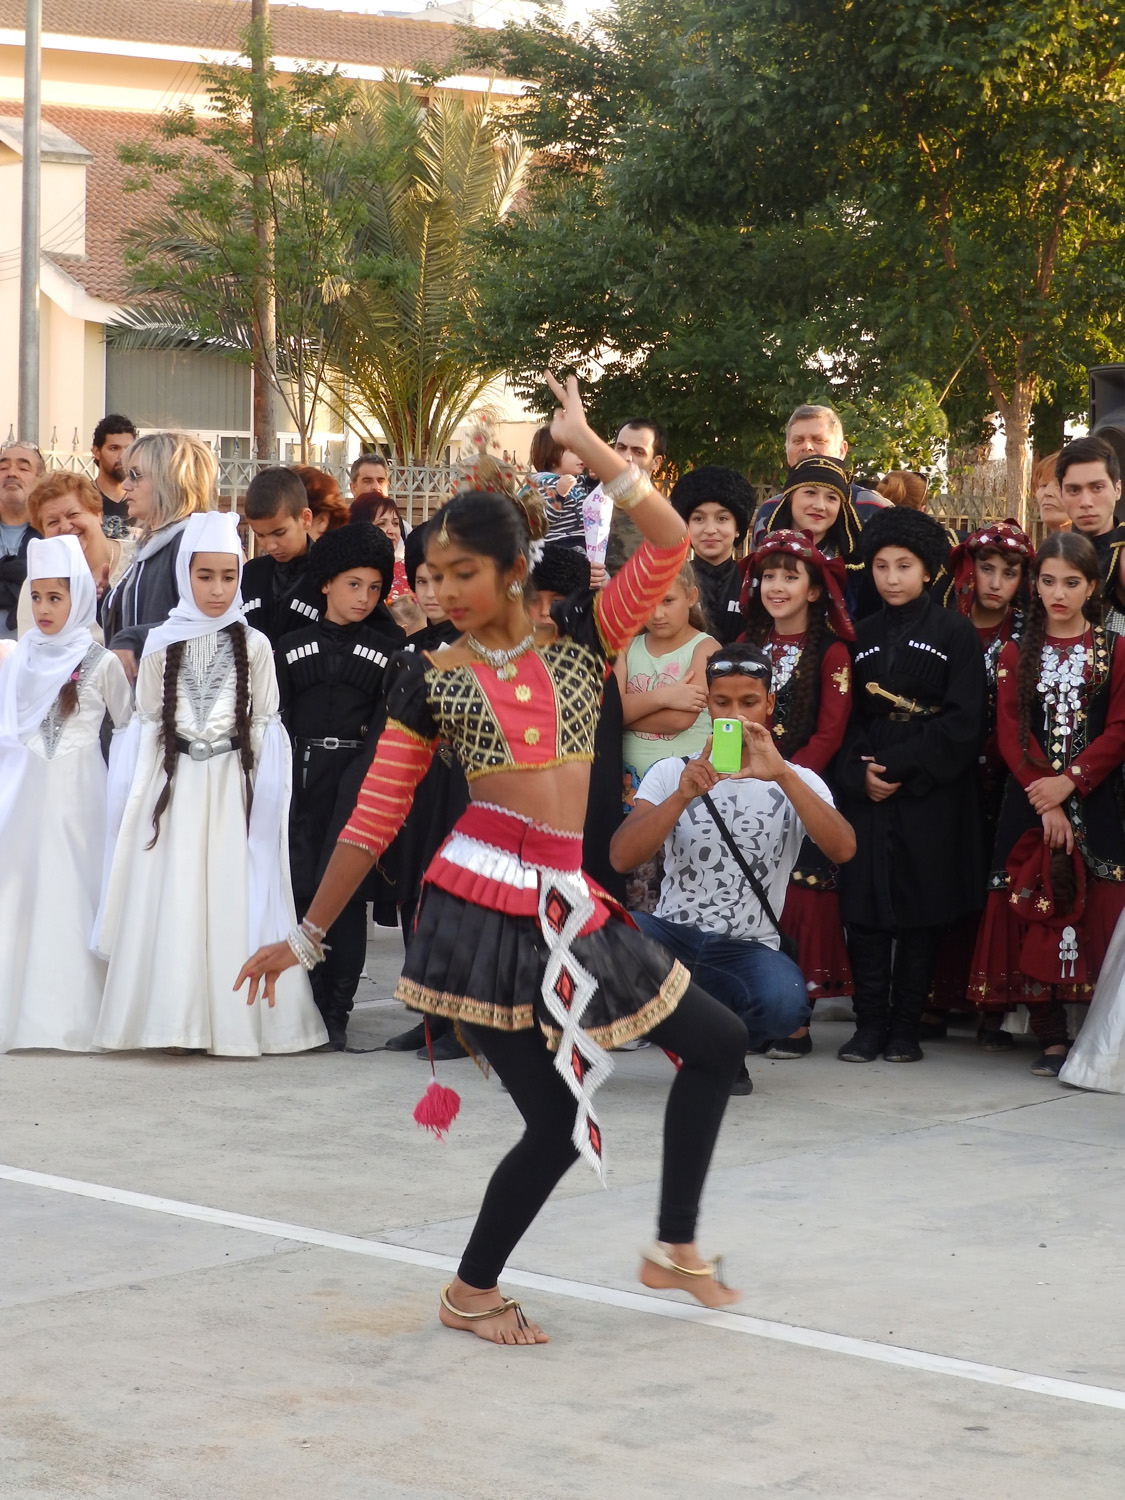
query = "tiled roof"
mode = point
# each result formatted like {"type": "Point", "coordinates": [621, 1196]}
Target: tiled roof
{"type": "Point", "coordinates": [108, 207]}
{"type": "Point", "coordinates": [318, 35]}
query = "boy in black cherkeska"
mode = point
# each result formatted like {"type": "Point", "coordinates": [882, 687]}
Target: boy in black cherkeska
{"type": "Point", "coordinates": [330, 679]}
{"type": "Point", "coordinates": [277, 591]}
{"type": "Point", "coordinates": [907, 776]}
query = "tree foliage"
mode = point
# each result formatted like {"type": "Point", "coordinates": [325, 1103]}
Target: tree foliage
{"type": "Point", "coordinates": [369, 198]}
{"type": "Point", "coordinates": [914, 209]}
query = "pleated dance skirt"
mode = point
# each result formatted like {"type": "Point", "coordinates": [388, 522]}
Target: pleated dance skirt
{"type": "Point", "coordinates": [510, 935]}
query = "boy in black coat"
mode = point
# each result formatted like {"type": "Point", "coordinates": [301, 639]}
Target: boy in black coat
{"type": "Point", "coordinates": [330, 677]}
{"type": "Point", "coordinates": [277, 591]}
{"type": "Point", "coordinates": [907, 775]}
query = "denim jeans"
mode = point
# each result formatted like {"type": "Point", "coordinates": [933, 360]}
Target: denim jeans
{"type": "Point", "coordinates": [765, 989]}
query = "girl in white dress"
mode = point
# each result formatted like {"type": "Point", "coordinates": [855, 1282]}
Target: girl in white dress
{"type": "Point", "coordinates": [200, 858]}
{"type": "Point", "coordinates": [55, 691]}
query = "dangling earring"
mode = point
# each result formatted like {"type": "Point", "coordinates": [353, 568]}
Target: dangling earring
{"type": "Point", "coordinates": [515, 589]}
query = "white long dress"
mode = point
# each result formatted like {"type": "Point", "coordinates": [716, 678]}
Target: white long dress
{"type": "Point", "coordinates": [51, 873]}
{"type": "Point", "coordinates": [175, 922]}
{"type": "Point", "coordinates": [1097, 1059]}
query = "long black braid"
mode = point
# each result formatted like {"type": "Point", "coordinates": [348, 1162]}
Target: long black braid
{"type": "Point", "coordinates": [237, 635]}
{"type": "Point", "coordinates": [803, 695]}
{"type": "Point", "coordinates": [173, 660]}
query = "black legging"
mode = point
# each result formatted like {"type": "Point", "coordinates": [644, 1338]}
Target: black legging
{"type": "Point", "coordinates": [711, 1043]}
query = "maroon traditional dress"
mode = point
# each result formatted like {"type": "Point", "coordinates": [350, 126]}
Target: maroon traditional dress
{"type": "Point", "coordinates": [1031, 948]}
{"type": "Point", "coordinates": [811, 915]}
{"type": "Point", "coordinates": [954, 965]}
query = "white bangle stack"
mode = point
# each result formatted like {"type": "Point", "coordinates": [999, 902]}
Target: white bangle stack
{"type": "Point", "coordinates": [307, 944]}
{"type": "Point", "coordinates": [629, 488]}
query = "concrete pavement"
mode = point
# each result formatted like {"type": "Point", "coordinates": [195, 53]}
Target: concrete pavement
{"type": "Point", "coordinates": [958, 1207]}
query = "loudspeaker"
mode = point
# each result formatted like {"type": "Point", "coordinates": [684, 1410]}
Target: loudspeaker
{"type": "Point", "coordinates": [1107, 406]}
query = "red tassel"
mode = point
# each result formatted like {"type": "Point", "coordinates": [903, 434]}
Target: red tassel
{"type": "Point", "coordinates": [437, 1109]}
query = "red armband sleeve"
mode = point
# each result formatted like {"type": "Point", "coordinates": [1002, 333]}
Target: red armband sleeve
{"type": "Point", "coordinates": [833, 713]}
{"type": "Point", "coordinates": [628, 600]}
{"type": "Point", "coordinates": [402, 758]}
{"type": "Point", "coordinates": [1028, 767]}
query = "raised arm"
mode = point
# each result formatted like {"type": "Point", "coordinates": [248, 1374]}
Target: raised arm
{"type": "Point", "coordinates": [624, 605]}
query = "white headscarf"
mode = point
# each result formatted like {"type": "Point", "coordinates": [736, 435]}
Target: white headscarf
{"type": "Point", "coordinates": [206, 531]}
{"type": "Point", "coordinates": [33, 675]}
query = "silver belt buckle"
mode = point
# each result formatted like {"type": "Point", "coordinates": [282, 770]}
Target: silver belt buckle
{"type": "Point", "coordinates": [330, 742]}
{"type": "Point", "coordinates": [200, 750]}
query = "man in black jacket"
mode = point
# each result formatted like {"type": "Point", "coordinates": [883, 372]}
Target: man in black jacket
{"type": "Point", "coordinates": [908, 784]}
{"type": "Point", "coordinates": [1089, 476]}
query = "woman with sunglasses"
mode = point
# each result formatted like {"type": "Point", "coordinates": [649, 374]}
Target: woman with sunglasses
{"type": "Point", "coordinates": [511, 941]}
{"type": "Point", "coordinates": [169, 476]}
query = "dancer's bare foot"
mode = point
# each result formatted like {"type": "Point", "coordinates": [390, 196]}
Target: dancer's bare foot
{"type": "Point", "coordinates": [706, 1289]}
{"type": "Point", "coordinates": [467, 1308]}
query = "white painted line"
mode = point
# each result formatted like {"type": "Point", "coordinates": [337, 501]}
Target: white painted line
{"type": "Point", "coordinates": [581, 1291]}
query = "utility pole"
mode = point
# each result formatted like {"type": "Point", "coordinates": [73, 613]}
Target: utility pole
{"type": "Point", "coordinates": [28, 419]}
{"type": "Point", "coordinates": [264, 324]}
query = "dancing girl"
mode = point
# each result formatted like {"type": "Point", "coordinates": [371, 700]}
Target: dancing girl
{"type": "Point", "coordinates": [512, 942]}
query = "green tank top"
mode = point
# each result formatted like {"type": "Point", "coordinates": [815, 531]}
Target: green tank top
{"type": "Point", "coordinates": [643, 673]}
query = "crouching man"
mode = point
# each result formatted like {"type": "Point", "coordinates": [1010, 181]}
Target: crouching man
{"type": "Point", "coordinates": [730, 843]}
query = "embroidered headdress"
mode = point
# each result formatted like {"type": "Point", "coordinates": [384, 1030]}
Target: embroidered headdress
{"type": "Point", "coordinates": [830, 573]}
{"type": "Point", "coordinates": [1005, 537]}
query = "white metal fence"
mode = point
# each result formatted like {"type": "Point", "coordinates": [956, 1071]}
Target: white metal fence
{"type": "Point", "coordinates": [418, 491]}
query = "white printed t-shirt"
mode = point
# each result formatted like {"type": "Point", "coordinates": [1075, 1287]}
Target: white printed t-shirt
{"type": "Point", "coordinates": [703, 886]}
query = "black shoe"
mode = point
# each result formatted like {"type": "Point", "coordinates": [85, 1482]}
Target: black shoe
{"type": "Point", "coordinates": [337, 1028]}
{"type": "Point", "coordinates": [865, 1046]}
{"type": "Point", "coordinates": [759, 1049]}
{"type": "Point", "coordinates": [446, 1048]}
{"type": "Point", "coordinates": [990, 1040]}
{"type": "Point", "coordinates": [790, 1046]}
{"type": "Point", "coordinates": [408, 1041]}
{"type": "Point", "coordinates": [903, 1046]}
{"type": "Point", "coordinates": [1049, 1065]}
{"type": "Point", "coordinates": [743, 1084]}
{"type": "Point", "coordinates": [932, 1031]}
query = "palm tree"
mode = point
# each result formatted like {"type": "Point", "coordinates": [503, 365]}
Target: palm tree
{"type": "Point", "coordinates": [447, 168]}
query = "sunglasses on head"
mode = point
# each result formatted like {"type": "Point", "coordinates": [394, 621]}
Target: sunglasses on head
{"type": "Point", "coordinates": [724, 667]}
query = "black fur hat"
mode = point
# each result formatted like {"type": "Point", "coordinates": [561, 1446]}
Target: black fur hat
{"type": "Point", "coordinates": [357, 545]}
{"type": "Point", "coordinates": [561, 570]}
{"type": "Point", "coordinates": [912, 529]}
{"type": "Point", "coordinates": [712, 484]}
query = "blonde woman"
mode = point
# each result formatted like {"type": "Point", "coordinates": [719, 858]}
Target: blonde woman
{"type": "Point", "coordinates": [169, 476]}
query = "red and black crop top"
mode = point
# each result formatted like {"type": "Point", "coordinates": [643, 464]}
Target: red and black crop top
{"type": "Point", "coordinates": [544, 715]}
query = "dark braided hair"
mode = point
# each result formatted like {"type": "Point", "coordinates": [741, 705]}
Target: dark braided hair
{"type": "Point", "coordinates": [804, 699]}
{"type": "Point", "coordinates": [237, 635]}
{"type": "Point", "coordinates": [68, 696]}
{"type": "Point", "coordinates": [173, 660]}
{"type": "Point", "coordinates": [1069, 547]}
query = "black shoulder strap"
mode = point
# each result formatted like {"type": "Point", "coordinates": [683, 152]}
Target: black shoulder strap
{"type": "Point", "coordinates": [753, 881]}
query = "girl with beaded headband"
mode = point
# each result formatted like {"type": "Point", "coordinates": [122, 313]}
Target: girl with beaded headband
{"type": "Point", "coordinates": [199, 801]}
{"type": "Point", "coordinates": [1057, 882]}
{"type": "Point", "coordinates": [542, 973]}
{"type": "Point", "coordinates": [793, 603]}
{"type": "Point", "coordinates": [988, 575]}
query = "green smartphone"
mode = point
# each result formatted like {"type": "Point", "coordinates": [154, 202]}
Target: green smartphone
{"type": "Point", "coordinates": [726, 745]}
